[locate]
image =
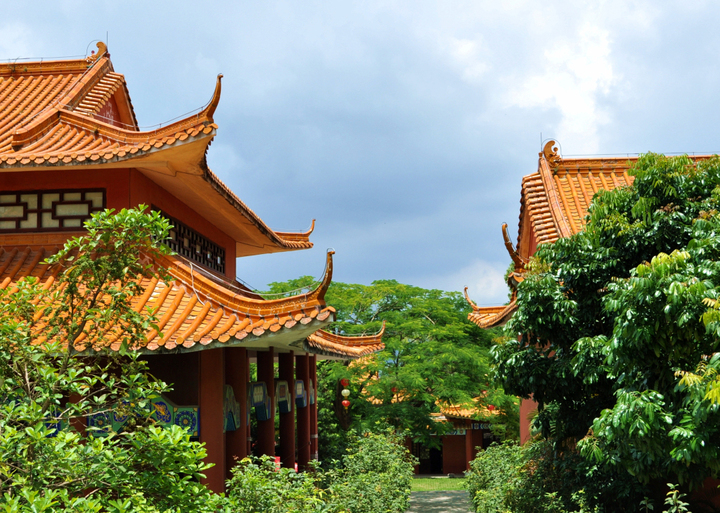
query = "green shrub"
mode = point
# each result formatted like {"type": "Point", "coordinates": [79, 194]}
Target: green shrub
{"type": "Point", "coordinates": [375, 477]}
{"type": "Point", "coordinates": [494, 475]}
{"type": "Point", "coordinates": [258, 486]}
{"type": "Point", "coordinates": [534, 478]}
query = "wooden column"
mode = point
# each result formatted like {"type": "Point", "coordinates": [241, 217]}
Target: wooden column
{"type": "Point", "coordinates": [303, 415]}
{"type": "Point", "coordinates": [249, 435]}
{"type": "Point", "coordinates": [468, 447]}
{"type": "Point", "coordinates": [286, 372]}
{"type": "Point", "coordinates": [79, 424]}
{"type": "Point", "coordinates": [211, 383]}
{"type": "Point", "coordinates": [266, 428]}
{"type": "Point", "coordinates": [237, 377]}
{"type": "Point", "coordinates": [313, 411]}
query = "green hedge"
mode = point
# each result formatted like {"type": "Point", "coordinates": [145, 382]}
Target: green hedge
{"type": "Point", "coordinates": [374, 477]}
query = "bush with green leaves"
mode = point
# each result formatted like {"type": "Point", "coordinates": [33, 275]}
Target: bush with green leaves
{"type": "Point", "coordinates": [56, 371]}
{"type": "Point", "coordinates": [373, 477]}
{"type": "Point", "coordinates": [258, 486]}
{"type": "Point", "coordinates": [534, 477]}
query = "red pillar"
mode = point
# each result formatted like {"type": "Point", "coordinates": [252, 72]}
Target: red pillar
{"type": "Point", "coordinates": [303, 415]}
{"type": "Point", "coordinates": [286, 371]}
{"type": "Point", "coordinates": [249, 437]}
{"type": "Point", "coordinates": [313, 411]}
{"type": "Point", "coordinates": [212, 381]}
{"type": "Point", "coordinates": [236, 376]}
{"type": "Point", "coordinates": [527, 407]}
{"type": "Point", "coordinates": [266, 428]}
{"type": "Point", "coordinates": [469, 449]}
{"type": "Point", "coordinates": [79, 424]}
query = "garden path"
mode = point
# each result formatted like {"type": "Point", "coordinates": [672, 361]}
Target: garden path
{"type": "Point", "coordinates": [454, 501]}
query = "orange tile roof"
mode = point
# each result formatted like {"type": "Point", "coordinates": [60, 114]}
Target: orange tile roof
{"type": "Point", "coordinates": [553, 204]}
{"type": "Point", "coordinates": [330, 344]}
{"type": "Point", "coordinates": [557, 196]}
{"type": "Point", "coordinates": [490, 316]}
{"type": "Point", "coordinates": [197, 309]}
{"type": "Point", "coordinates": [50, 118]}
{"type": "Point", "coordinates": [462, 412]}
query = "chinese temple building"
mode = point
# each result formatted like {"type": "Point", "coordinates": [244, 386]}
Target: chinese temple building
{"type": "Point", "coordinates": [70, 145]}
{"type": "Point", "coordinates": [553, 204]}
{"type": "Point", "coordinates": [459, 445]}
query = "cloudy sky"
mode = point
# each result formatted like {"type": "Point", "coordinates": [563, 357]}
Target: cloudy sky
{"type": "Point", "coordinates": [403, 127]}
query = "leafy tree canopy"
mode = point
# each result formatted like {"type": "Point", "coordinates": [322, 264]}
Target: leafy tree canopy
{"type": "Point", "coordinates": [432, 355]}
{"type": "Point", "coordinates": [56, 371]}
{"type": "Point", "coordinates": [617, 329]}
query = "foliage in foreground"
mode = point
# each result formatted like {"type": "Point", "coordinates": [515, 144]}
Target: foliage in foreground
{"type": "Point", "coordinates": [46, 385]}
{"type": "Point", "coordinates": [617, 330]}
{"type": "Point", "coordinates": [532, 478]}
{"type": "Point", "coordinates": [375, 476]}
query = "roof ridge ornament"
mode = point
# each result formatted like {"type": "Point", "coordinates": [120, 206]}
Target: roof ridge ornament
{"type": "Point", "coordinates": [215, 100]}
{"type": "Point", "coordinates": [470, 301]}
{"type": "Point", "coordinates": [514, 255]}
{"type": "Point", "coordinates": [102, 50]}
{"type": "Point", "coordinates": [551, 153]}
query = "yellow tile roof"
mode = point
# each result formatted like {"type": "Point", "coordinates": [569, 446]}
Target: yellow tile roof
{"type": "Point", "coordinates": [49, 118]}
{"type": "Point", "coordinates": [196, 309]}
{"type": "Point", "coordinates": [344, 346]}
{"type": "Point", "coordinates": [554, 202]}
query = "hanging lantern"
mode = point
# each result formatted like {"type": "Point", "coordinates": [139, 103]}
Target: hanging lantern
{"type": "Point", "coordinates": [491, 407]}
{"type": "Point", "coordinates": [345, 392]}
{"type": "Point", "coordinates": [346, 404]}
{"type": "Point", "coordinates": [345, 382]}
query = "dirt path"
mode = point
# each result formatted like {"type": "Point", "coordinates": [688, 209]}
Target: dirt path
{"type": "Point", "coordinates": [440, 502]}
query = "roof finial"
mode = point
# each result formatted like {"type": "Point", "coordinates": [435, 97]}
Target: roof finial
{"type": "Point", "coordinates": [514, 255]}
{"type": "Point", "coordinates": [550, 152]}
{"type": "Point", "coordinates": [102, 50]}
{"type": "Point", "coordinates": [215, 99]}
{"type": "Point", "coordinates": [470, 301]}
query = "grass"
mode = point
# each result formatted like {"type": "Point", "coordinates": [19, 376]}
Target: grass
{"type": "Point", "coordinates": [437, 484]}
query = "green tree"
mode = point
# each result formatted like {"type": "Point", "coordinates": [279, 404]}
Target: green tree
{"type": "Point", "coordinates": [56, 369]}
{"type": "Point", "coordinates": [611, 318]}
{"type": "Point", "coordinates": [432, 355]}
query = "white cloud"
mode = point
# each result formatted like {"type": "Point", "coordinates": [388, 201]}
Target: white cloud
{"type": "Point", "coordinates": [486, 286]}
{"type": "Point", "coordinates": [576, 73]}
{"type": "Point", "coordinates": [467, 57]}
{"type": "Point", "coordinates": [15, 42]}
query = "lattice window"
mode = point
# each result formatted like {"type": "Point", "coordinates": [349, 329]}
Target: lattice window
{"type": "Point", "coordinates": [55, 210]}
{"type": "Point", "coordinates": [187, 242]}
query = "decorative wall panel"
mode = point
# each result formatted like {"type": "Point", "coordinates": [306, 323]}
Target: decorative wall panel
{"type": "Point", "coordinates": [192, 245]}
{"type": "Point", "coordinates": [55, 210]}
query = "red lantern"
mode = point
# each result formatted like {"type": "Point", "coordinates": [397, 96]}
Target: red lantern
{"type": "Point", "coordinates": [345, 382]}
{"type": "Point", "coordinates": [394, 390]}
{"type": "Point", "coordinates": [346, 403]}
{"type": "Point", "coordinates": [491, 407]}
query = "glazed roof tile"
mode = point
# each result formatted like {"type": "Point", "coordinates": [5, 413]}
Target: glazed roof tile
{"type": "Point", "coordinates": [490, 316]}
{"type": "Point", "coordinates": [464, 412]}
{"type": "Point", "coordinates": [330, 344]}
{"type": "Point", "coordinates": [556, 197]}
{"type": "Point", "coordinates": [50, 117]}
{"type": "Point", "coordinates": [196, 309]}
{"type": "Point", "coordinates": [554, 203]}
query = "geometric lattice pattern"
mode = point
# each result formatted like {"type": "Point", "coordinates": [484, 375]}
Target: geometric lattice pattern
{"type": "Point", "coordinates": [57, 210]}
{"type": "Point", "coordinates": [185, 241]}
